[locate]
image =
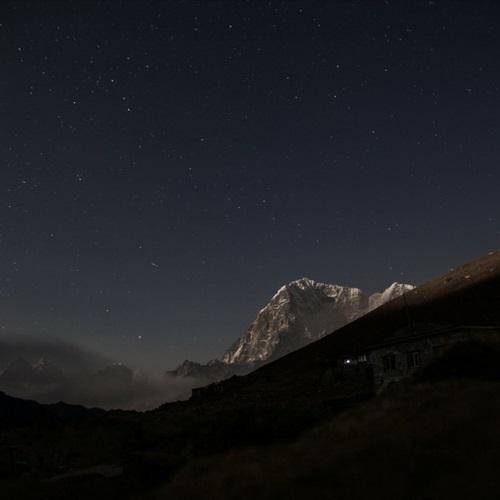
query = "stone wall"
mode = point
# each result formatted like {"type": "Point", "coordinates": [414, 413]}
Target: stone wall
{"type": "Point", "coordinates": [396, 361]}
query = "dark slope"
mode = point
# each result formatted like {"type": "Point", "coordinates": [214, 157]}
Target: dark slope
{"type": "Point", "coordinates": [19, 412]}
{"type": "Point", "coordinates": [434, 441]}
{"type": "Point", "coordinates": [467, 295]}
{"type": "Point", "coordinates": [424, 432]}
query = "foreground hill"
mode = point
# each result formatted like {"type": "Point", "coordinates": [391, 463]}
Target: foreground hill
{"type": "Point", "coordinates": [438, 436]}
{"type": "Point", "coordinates": [435, 441]}
{"type": "Point", "coordinates": [15, 412]}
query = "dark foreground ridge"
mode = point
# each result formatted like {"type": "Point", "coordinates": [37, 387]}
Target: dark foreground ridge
{"type": "Point", "coordinates": [244, 437]}
{"type": "Point", "coordinates": [15, 412]}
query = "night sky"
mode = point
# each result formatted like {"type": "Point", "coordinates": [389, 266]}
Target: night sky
{"type": "Point", "coordinates": [165, 167]}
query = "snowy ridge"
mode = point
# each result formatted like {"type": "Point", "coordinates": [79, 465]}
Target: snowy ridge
{"type": "Point", "coordinates": [395, 290]}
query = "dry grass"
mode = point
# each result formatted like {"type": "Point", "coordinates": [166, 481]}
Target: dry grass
{"type": "Point", "coordinates": [434, 441]}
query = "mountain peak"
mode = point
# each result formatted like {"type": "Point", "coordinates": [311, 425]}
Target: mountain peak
{"type": "Point", "coordinates": [302, 282]}
{"type": "Point", "coordinates": [397, 285]}
{"type": "Point", "coordinates": [391, 292]}
{"type": "Point", "coordinates": [293, 286]}
{"type": "Point", "coordinates": [42, 363]}
{"type": "Point", "coordinates": [301, 312]}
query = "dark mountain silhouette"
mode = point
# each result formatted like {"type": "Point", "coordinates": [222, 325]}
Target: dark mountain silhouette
{"type": "Point", "coordinates": [20, 412]}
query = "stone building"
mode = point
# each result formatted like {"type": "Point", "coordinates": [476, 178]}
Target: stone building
{"type": "Point", "coordinates": [407, 350]}
{"type": "Point", "coordinates": [372, 368]}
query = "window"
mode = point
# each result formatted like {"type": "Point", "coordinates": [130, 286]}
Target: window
{"type": "Point", "coordinates": [389, 363]}
{"type": "Point", "coordinates": [413, 359]}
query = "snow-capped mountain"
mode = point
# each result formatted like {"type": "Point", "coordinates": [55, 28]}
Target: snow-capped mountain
{"type": "Point", "coordinates": [46, 371]}
{"type": "Point", "coordinates": [395, 290]}
{"type": "Point", "coordinates": [42, 372]}
{"type": "Point", "coordinates": [18, 370]}
{"type": "Point", "coordinates": [299, 313]}
{"type": "Point", "coordinates": [213, 371]}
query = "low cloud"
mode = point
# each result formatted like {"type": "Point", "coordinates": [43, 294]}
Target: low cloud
{"type": "Point", "coordinates": [49, 371]}
{"type": "Point", "coordinates": [71, 358]}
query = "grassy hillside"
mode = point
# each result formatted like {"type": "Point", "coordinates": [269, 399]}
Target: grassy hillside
{"type": "Point", "coordinates": [436, 440]}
